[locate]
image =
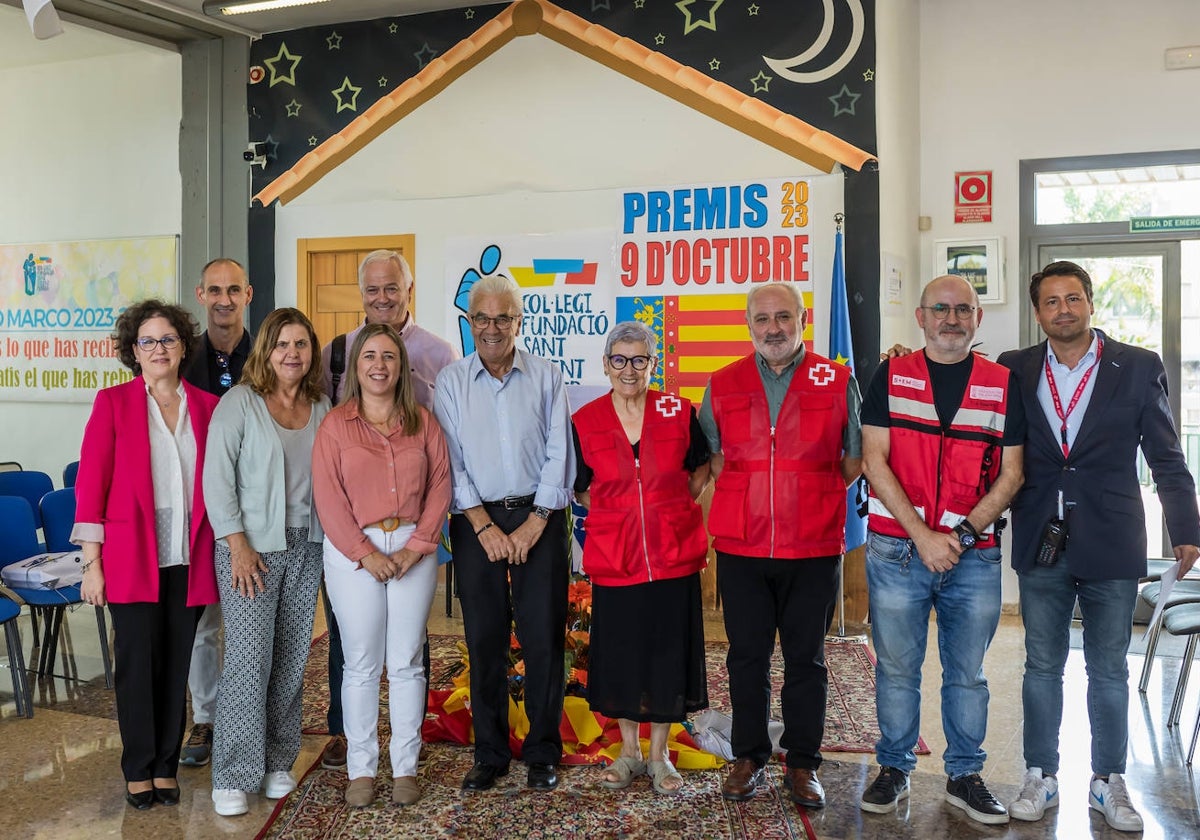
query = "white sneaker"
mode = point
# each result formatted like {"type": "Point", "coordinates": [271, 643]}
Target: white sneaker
{"type": "Point", "coordinates": [1037, 794]}
{"type": "Point", "coordinates": [278, 784]}
{"type": "Point", "coordinates": [1112, 799]}
{"type": "Point", "coordinates": [229, 803]}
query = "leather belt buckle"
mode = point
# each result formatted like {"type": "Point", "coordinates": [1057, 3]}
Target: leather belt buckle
{"type": "Point", "coordinates": [390, 524]}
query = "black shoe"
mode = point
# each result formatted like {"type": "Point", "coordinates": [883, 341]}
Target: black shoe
{"type": "Point", "coordinates": [542, 777]}
{"type": "Point", "coordinates": [885, 793]}
{"type": "Point", "coordinates": [483, 776]}
{"type": "Point", "coordinates": [971, 794]}
{"type": "Point", "coordinates": [167, 796]}
{"type": "Point", "coordinates": [142, 800]}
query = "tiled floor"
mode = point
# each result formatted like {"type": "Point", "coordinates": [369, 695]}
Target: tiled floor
{"type": "Point", "coordinates": [59, 775]}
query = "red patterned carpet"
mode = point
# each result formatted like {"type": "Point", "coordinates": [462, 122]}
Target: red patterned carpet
{"type": "Point", "coordinates": [580, 807]}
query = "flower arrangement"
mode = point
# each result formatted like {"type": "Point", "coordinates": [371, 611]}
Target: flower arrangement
{"type": "Point", "coordinates": [575, 662]}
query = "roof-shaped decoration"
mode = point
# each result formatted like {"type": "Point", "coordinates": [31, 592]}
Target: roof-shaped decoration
{"type": "Point", "coordinates": [685, 84]}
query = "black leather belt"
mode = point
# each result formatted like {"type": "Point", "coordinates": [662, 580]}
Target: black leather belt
{"type": "Point", "coordinates": [512, 502]}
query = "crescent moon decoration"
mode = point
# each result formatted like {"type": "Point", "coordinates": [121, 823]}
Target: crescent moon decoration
{"type": "Point", "coordinates": [783, 66]}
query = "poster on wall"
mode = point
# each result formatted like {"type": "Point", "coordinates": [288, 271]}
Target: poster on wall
{"type": "Point", "coordinates": [60, 302]}
{"type": "Point", "coordinates": [679, 259]}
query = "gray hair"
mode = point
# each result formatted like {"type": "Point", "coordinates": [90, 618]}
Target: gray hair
{"type": "Point", "coordinates": [495, 284]}
{"type": "Point", "coordinates": [792, 288]}
{"type": "Point", "coordinates": [384, 255]}
{"type": "Point", "coordinates": [635, 332]}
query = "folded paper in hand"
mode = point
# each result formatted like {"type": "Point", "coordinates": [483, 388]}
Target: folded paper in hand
{"type": "Point", "coordinates": [45, 571]}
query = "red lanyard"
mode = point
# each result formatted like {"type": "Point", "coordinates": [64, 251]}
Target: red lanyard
{"type": "Point", "coordinates": [1058, 409]}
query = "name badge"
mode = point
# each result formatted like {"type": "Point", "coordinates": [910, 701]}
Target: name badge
{"type": "Point", "coordinates": [908, 382]}
{"type": "Point", "coordinates": [987, 393]}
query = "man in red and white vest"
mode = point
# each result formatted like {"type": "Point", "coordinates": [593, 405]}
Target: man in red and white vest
{"type": "Point", "coordinates": [943, 432]}
{"type": "Point", "coordinates": [784, 422]}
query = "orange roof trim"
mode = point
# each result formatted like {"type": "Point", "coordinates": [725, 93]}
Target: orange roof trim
{"type": "Point", "coordinates": [687, 85]}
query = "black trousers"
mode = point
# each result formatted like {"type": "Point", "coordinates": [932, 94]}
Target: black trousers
{"type": "Point", "coordinates": [153, 651]}
{"type": "Point", "coordinates": [537, 599]}
{"type": "Point", "coordinates": [796, 598]}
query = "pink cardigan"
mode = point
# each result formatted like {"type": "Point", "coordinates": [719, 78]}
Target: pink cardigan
{"type": "Point", "coordinates": [115, 488]}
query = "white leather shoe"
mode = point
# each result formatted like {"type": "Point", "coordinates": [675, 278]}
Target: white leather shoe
{"type": "Point", "coordinates": [278, 784]}
{"type": "Point", "coordinates": [229, 803]}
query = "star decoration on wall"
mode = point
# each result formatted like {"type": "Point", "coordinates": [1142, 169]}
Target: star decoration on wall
{"type": "Point", "coordinates": [691, 23]}
{"type": "Point", "coordinates": [638, 4]}
{"type": "Point", "coordinates": [752, 10]}
{"type": "Point", "coordinates": [346, 88]}
{"type": "Point", "coordinates": [714, 65]}
{"type": "Point", "coordinates": [393, 29]}
{"type": "Point", "coordinates": [293, 108]}
{"type": "Point", "coordinates": [660, 39]}
{"type": "Point", "coordinates": [470, 14]}
{"type": "Point", "coordinates": [283, 55]}
{"type": "Point", "coordinates": [843, 101]}
{"type": "Point", "coordinates": [334, 41]}
{"type": "Point", "coordinates": [383, 81]}
{"type": "Point", "coordinates": [424, 55]}
{"type": "Point", "coordinates": [868, 75]}
{"type": "Point", "coordinates": [761, 82]}
{"type": "Point", "coordinates": [312, 141]}
{"type": "Point", "coordinates": [598, 5]}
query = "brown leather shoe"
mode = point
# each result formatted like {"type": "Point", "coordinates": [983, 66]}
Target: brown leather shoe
{"type": "Point", "coordinates": [744, 778]}
{"type": "Point", "coordinates": [804, 787]}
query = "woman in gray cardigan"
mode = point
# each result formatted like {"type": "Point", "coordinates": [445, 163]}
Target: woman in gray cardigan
{"type": "Point", "coordinates": [258, 483]}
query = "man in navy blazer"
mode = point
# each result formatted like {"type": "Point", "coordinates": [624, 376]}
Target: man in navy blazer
{"type": "Point", "coordinates": [1079, 527]}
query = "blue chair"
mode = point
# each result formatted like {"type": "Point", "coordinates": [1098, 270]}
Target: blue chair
{"type": "Point", "coordinates": [69, 472]}
{"type": "Point", "coordinates": [20, 542]}
{"type": "Point", "coordinates": [10, 608]}
{"type": "Point", "coordinates": [58, 518]}
{"type": "Point", "coordinates": [29, 485]}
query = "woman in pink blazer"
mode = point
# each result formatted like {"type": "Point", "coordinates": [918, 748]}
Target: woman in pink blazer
{"type": "Point", "coordinates": [147, 545]}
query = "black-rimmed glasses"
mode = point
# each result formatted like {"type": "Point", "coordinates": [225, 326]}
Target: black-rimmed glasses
{"type": "Point", "coordinates": [147, 344]}
{"type": "Point", "coordinates": [618, 361]}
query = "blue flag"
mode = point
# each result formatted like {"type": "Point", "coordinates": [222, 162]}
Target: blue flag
{"type": "Point", "coordinates": [841, 349]}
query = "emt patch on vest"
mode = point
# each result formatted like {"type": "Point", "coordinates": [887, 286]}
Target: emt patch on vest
{"type": "Point", "coordinates": [987, 393]}
{"type": "Point", "coordinates": [908, 382]}
{"type": "Point", "coordinates": [821, 374]}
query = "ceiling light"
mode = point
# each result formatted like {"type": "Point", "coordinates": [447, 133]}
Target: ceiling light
{"type": "Point", "coordinates": [245, 7]}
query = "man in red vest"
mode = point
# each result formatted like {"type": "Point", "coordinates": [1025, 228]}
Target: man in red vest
{"type": "Point", "coordinates": [784, 422]}
{"type": "Point", "coordinates": [943, 434]}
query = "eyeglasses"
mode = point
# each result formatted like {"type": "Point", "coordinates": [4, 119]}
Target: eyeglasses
{"type": "Point", "coordinates": [226, 378]}
{"type": "Point", "coordinates": [941, 311]}
{"type": "Point", "coordinates": [502, 322]}
{"type": "Point", "coordinates": [618, 361]}
{"type": "Point", "coordinates": [147, 344]}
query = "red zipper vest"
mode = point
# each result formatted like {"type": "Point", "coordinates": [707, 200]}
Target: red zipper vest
{"type": "Point", "coordinates": [643, 524]}
{"type": "Point", "coordinates": [781, 492]}
{"type": "Point", "coordinates": [944, 474]}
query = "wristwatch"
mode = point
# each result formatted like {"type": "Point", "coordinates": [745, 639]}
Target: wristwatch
{"type": "Point", "coordinates": [966, 534]}
{"type": "Point", "coordinates": [542, 512]}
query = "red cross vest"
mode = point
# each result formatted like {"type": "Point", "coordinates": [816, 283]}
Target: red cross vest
{"type": "Point", "coordinates": [643, 524]}
{"type": "Point", "coordinates": [780, 493]}
{"type": "Point", "coordinates": [944, 473]}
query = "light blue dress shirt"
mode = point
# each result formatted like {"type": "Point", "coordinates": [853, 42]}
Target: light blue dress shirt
{"type": "Point", "coordinates": [507, 437]}
{"type": "Point", "coordinates": [1066, 380]}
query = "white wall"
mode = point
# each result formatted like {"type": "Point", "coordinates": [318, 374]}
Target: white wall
{"type": "Point", "coordinates": [89, 150]}
{"type": "Point", "coordinates": [512, 148]}
{"type": "Point", "coordinates": [1021, 79]}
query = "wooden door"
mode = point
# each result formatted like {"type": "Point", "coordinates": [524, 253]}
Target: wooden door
{"type": "Point", "coordinates": [327, 282]}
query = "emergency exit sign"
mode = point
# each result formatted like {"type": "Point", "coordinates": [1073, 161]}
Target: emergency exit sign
{"type": "Point", "coordinates": [1145, 224]}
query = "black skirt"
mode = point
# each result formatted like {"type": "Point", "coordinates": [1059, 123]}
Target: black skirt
{"type": "Point", "coordinates": [646, 652]}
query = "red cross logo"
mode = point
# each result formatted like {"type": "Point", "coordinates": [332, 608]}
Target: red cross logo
{"type": "Point", "coordinates": [669, 405]}
{"type": "Point", "coordinates": [821, 374]}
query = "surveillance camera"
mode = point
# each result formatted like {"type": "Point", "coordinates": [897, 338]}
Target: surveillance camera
{"type": "Point", "coordinates": [256, 154]}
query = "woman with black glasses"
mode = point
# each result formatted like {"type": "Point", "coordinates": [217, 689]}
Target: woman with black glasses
{"type": "Point", "coordinates": [147, 544]}
{"type": "Point", "coordinates": [642, 460]}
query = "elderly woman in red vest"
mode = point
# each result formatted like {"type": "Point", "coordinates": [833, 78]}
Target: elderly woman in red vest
{"type": "Point", "coordinates": [642, 460]}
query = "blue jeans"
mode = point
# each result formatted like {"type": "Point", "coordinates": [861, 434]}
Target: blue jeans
{"type": "Point", "coordinates": [967, 600]}
{"type": "Point", "coordinates": [1048, 595]}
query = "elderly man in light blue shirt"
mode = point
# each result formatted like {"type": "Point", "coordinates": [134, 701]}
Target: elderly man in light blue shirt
{"type": "Point", "coordinates": [508, 429]}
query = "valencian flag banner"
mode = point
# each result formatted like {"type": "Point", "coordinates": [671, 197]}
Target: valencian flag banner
{"type": "Point", "coordinates": [841, 349]}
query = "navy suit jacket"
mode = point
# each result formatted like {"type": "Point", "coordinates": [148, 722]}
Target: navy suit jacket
{"type": "Point", "coordinates": [1128, 409]}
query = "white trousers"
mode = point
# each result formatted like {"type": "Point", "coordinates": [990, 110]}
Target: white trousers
{"type": "Point", "coordinates": [381, 623]}
{"type": "Point", "coordinates": [205, 672]}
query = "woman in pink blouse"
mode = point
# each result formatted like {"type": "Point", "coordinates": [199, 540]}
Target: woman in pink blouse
{"type": "Point", "coordinates": [381, 481]}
